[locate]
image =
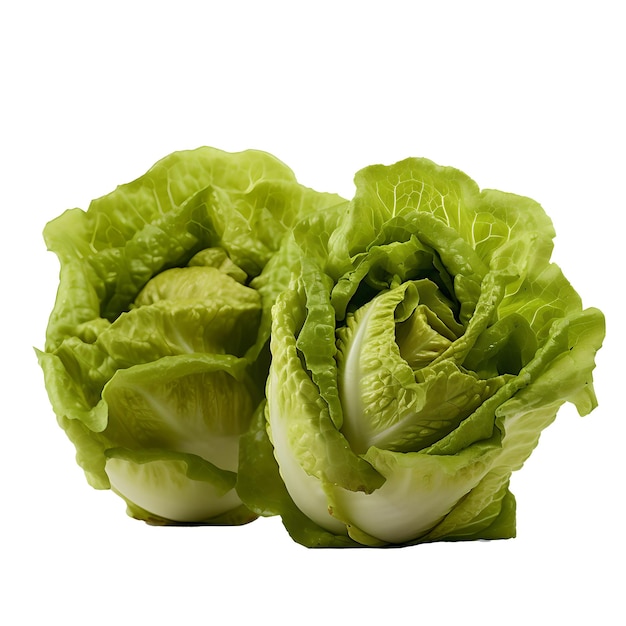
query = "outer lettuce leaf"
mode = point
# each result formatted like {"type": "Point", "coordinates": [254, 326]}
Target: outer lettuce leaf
{"type": "Point", "coordinates": [202, 403]}
{"type": "Point", "coordinates": [116, 219]}
{"type": "Point", "coordinates": [181, 487]}
{"type": "Point", "coordinates": [261, 487]}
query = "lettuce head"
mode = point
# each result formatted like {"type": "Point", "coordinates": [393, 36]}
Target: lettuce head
{"type": "Point", "coordinates": [156, 350]}
{"type": "Point", "coordinates": [422, 343]}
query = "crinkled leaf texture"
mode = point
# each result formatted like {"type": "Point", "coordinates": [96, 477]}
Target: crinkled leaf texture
{"type": "Point", "coordinates": [156, 350]}
{"type": "Point", "coordinates": [420, 346]}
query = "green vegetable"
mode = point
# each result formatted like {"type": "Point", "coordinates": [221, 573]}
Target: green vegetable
{"type": "Point", "coordinates": [227, 343]}
{"type": "Point", "coordinates": [417, 354]}
{"type": "Point", "coordinates": [156, 354]}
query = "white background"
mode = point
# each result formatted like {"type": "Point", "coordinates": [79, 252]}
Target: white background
{"type": "Point", "coordinates": [523, 96]}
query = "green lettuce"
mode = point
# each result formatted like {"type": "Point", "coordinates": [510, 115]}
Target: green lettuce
{"type": "Point", "coordinates": [227, 343]}
{"type": "Point", "coordinates": [156, 350]}
{"type": "Point", "coordinates": [420, 344]}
